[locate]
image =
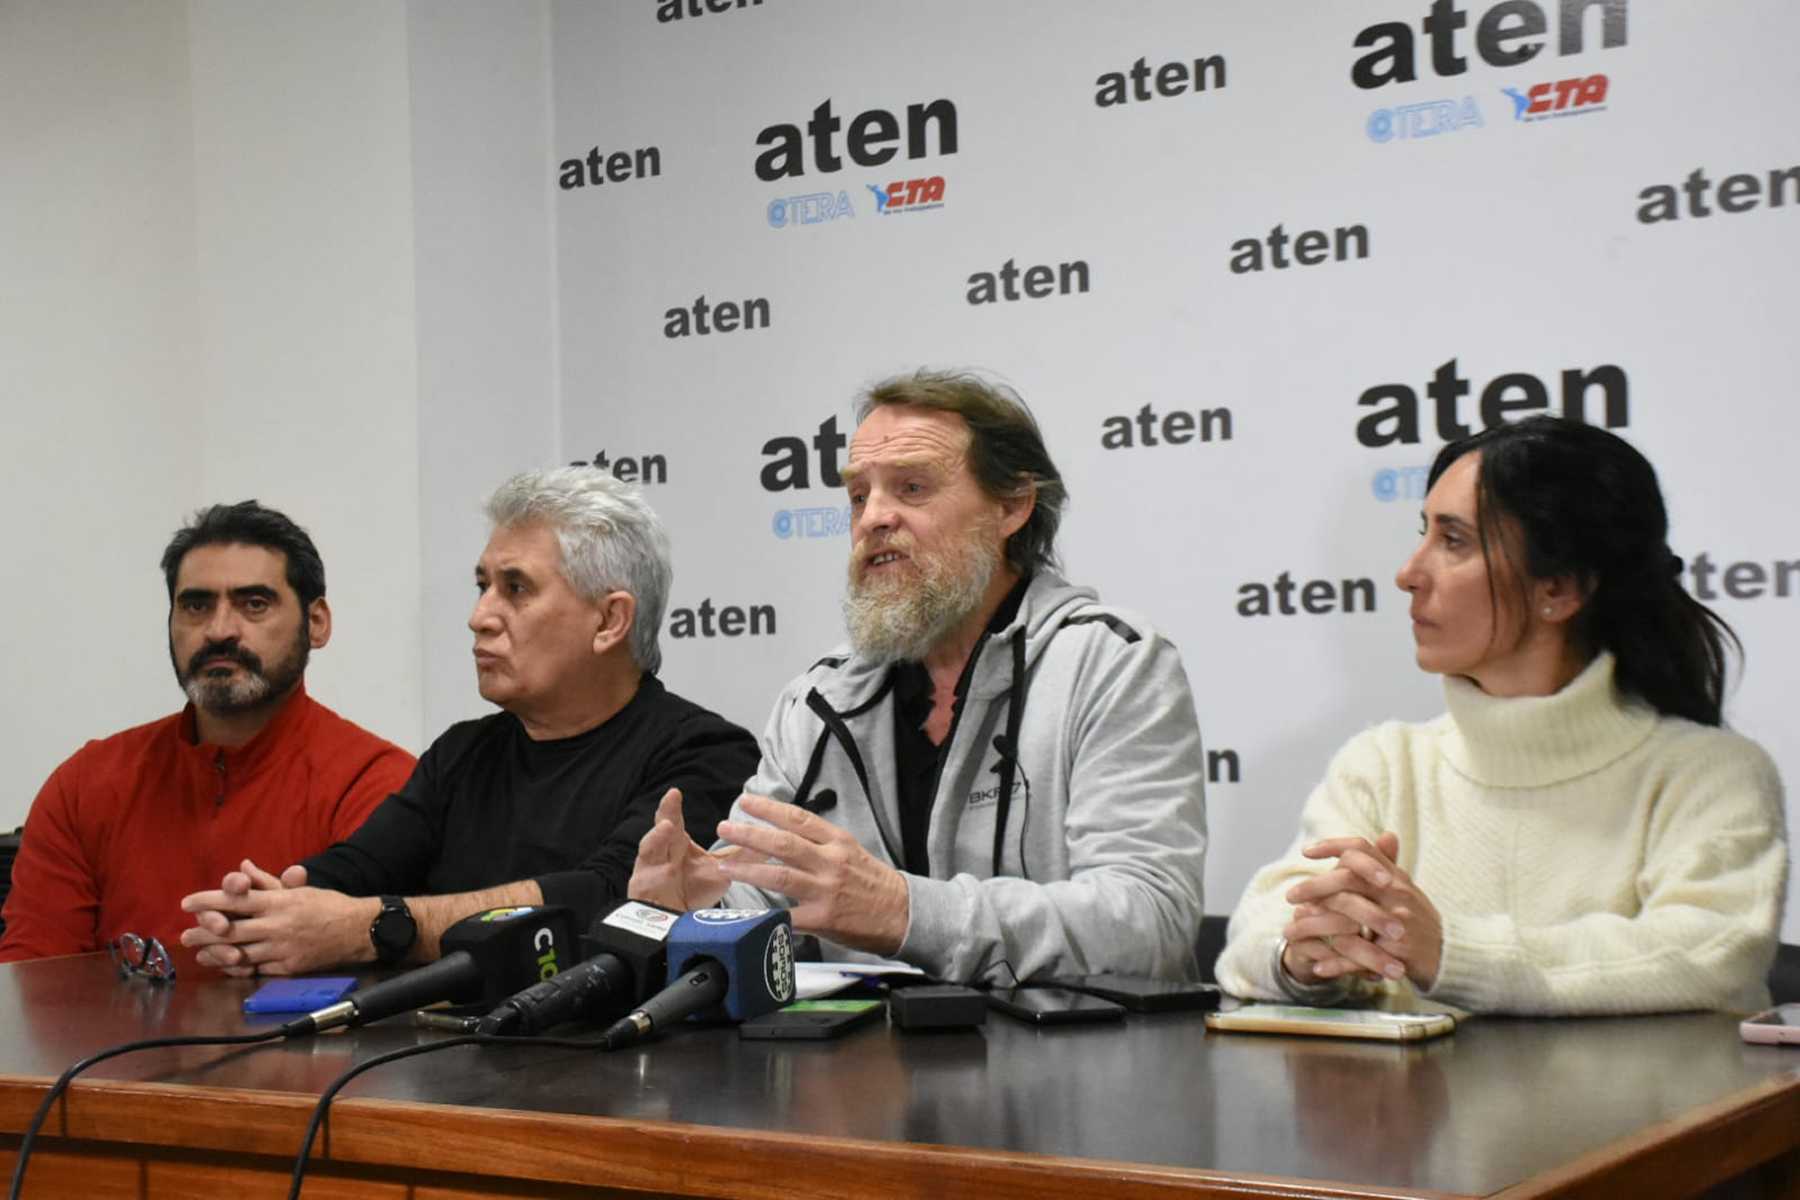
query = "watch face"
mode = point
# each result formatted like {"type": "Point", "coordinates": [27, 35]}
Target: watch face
{"type": "Point", "coordinates": [394, 930]}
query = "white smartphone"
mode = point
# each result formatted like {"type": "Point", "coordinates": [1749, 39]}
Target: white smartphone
{"type": "Point", "coordinates": [1332, 1022]}
{"type": "Point", "coordinates": [1779, 1024]}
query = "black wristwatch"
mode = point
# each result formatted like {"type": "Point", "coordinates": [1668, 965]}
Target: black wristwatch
{"type": "Point", "coordinates": [393, 932]}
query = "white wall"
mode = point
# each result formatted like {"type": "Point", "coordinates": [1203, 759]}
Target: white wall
{"type": "Point", "coordinates": [101, 446]}
{"type": "Point", "coordinates": [486, 321]}
{"type": "Point", "coordinates": [206, 233]}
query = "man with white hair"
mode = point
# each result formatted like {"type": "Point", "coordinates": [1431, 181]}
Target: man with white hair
{"type": "Point", "coordinates": [541, 803]}
{"type": "Point", "coordinates": [1000, 777]}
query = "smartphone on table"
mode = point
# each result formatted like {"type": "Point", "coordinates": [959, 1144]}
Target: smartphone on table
{"type": "Point", "coordinates": [1778, 1025]}
{"type": "Point", "coordinates": [1147, 995]}
{"type": "Point", "coordinates": [1052, 1005]}
{"type": "Point", "coordinates": [813, 1020]}
{"type": "Point", "coordinates": [1333, 1022]}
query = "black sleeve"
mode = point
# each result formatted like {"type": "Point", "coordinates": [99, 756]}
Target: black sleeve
{"type": "Point", "coordinates": [709, 759]}
{"type": "Point", "coordinates": [391, 853]}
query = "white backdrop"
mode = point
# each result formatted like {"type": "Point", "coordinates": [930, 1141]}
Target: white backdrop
{"type": "Point", "coordinates": [1511, 246]}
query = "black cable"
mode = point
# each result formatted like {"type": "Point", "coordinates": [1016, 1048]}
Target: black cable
{"type": "Point", "coordinates": [68, 1076]}
{"type": "Point", "coordinates": [471, 1039]}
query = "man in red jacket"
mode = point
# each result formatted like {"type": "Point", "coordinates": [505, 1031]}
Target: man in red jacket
{"type": "Point", "coordinates": [253, 765]}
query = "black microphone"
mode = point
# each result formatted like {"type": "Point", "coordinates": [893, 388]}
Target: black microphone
{"type": "Point", "coordinates": [724, 963]}
{"type": "Point", "coordinates": [626, 962]}
{"type": "Point", "coordinates": [486, 956]}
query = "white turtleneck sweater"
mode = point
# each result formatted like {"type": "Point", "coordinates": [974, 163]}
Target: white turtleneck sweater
{"type": "Point", "coordinates": [1586, 854]}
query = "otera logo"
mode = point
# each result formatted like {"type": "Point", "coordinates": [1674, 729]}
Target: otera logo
{"type": "Point", "coordinates": [1400, 483]}
{"type": "Point", "coordinates": [1412, 121]}
{"type": "Point", "coordinates": [811, 522]}
{"type": "Point", "coordinates": [813, 209]}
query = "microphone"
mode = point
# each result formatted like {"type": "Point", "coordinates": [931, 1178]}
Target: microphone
{"type": "Point", "coordinates": [728, 964]}
{"type": "Point", "coordinates": [486, 956]}
{"type": "Point", "coordinates": [626, 962]}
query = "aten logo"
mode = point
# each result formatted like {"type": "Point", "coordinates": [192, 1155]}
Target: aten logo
{"type": "Point", "coordinates": [1736, 194]}
{"type": "Point", "coordinates": [1177, 428]}
{"type": "Point", "coordinates": [648, 468]}
{"type": "Point", "coordinates": [1311, 248]}
{"type": "Point", "coordinates": [908, 195]}
{"type": "Point", "coordinates": [814, 208]}
{"type": "Point", "coordinates": [930, 129]}
{"type": "Point", "coordinates": [1317, 597]}
{"type": "Point", "coordinates": [1410, 122]}
{"type": "Point", "coordinates": [757, 621]}
{"type": "Point", "coordinates": [1569, 98]}
{"type": "Point", "coordinates": [617, 167]}
{"type": "Point", "coordinates": [789, 466]}
{"type": "Point", "coordinates": [1744, 580]}
{"type": "Point", "coordinates": [674, 10]}
{"type": "Point", "coordinates": [1396, 415]}
{"type": "Point", "coordinates": [1172, 79]}
{"type": "Point", "coordinates": [1040, 281]}
{"type": "Point", "coordinates": [725, 317]}
{"type": "Point", "coordinates": [1508, 34]}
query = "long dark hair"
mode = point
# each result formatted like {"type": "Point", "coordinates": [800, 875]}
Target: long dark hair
{"type": "Point", "coordinates": [1582, 502]}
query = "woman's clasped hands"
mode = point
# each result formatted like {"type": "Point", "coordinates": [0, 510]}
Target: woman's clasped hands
{"type": "Point", "coordinates": [1362, 917]}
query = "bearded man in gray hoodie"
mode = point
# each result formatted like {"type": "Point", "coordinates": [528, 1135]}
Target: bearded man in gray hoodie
{"type": "Point", "coordinates": [999, 778]}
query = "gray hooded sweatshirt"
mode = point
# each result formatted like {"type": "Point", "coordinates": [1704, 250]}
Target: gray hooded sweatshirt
{"type": "Point", "coordinates": [1068, 830]}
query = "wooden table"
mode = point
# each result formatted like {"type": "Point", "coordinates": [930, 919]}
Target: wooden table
{"type": "Point", "coordinates": [1660, 1106]}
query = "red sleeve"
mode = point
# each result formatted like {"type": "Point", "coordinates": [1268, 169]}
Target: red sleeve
{"type": "Point", "coordinates": [53, 906]}
{"type": "Point", "coordinates": [385, 773]}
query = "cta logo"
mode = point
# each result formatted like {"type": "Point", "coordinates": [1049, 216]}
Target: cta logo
{"type": "Point", "coordinates": [1567, 98]}
{"type": "Point", "coordinates": [811, 522]}
{"type": "Point", "coordinates": [814, 208]}
{"type": "Point", "coordinates": [908, 195]}
{"type": "Point", "coordinates": [1509, 33]}
{"type": "Point", "coordinates": [1410, 122]}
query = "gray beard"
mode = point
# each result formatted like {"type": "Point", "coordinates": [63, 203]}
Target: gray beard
{"type": "Point", "coordinates": [903, 621]}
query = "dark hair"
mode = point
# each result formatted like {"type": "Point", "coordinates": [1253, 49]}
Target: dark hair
{"type": "Point", "coordinates": [1006, 450]}
{"type": "Point", "coordinates": [248, 523]}
{"type": "Point", "coordinates": [1585, 504]}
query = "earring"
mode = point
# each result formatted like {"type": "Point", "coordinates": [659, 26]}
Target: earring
{"type": "Point", "coordinates": [1547, 610]}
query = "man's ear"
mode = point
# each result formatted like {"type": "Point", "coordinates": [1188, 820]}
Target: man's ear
{"type": "Point", "coordinates": [318, 623]}
{"type": "Point", "coordinates": [1017, 508]}
{"type": "Point", "coordinates": [617, 612]}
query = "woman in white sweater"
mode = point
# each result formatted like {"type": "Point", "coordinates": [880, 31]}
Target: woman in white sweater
{"type": "Point", "coordinates": [1577, 834]}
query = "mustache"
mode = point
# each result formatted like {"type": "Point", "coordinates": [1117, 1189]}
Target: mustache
{"type": "Point", "coordinates": [900, 543]}
{"type": "Point", "coordinates": [226, 651]}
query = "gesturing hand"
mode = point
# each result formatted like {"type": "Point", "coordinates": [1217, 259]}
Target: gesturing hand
{"type": "Point", "coordinates": [839, 889]}
{"type": "Point", "coordinates": [672, 869]}
{"type": "Point", "coordinates": [1363, 916]}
